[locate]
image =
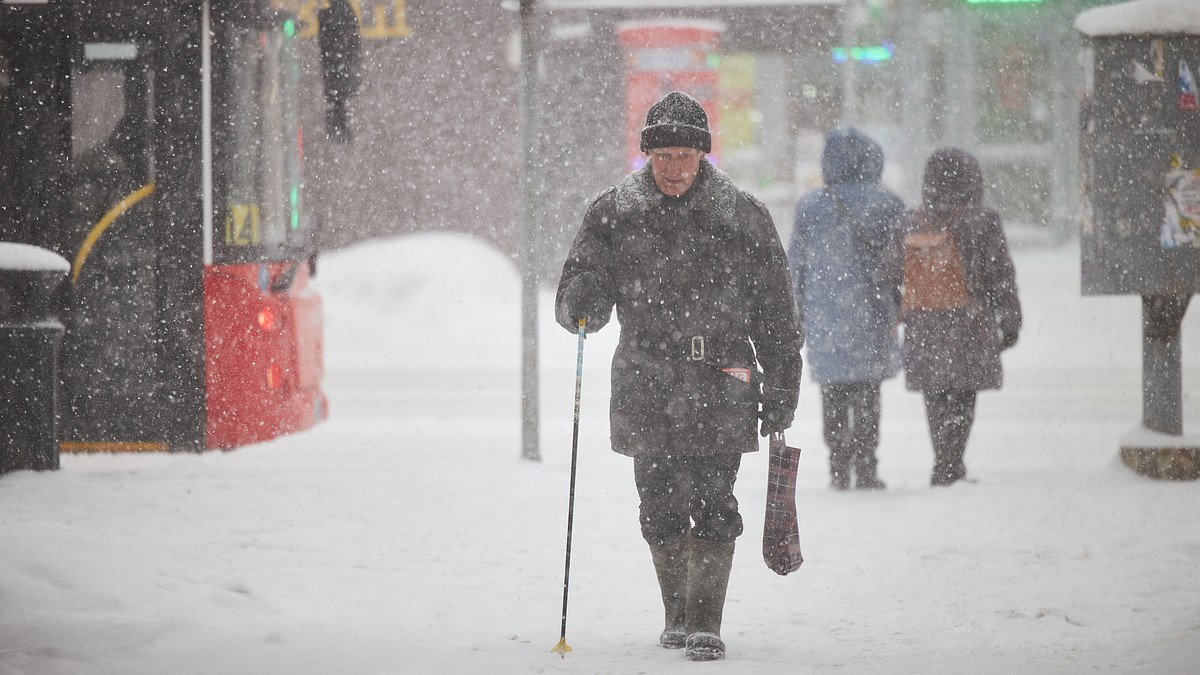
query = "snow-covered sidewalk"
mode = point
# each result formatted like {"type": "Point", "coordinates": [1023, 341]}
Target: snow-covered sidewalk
{"type": "Point", "coordinates": [406, 535]}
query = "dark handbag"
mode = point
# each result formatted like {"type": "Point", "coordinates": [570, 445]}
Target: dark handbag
{"type": "Point", "coordinates": [781, 533]}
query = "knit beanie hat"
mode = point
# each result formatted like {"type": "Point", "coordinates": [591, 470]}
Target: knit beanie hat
{"type": "Point", "coordinates": [676, 120]}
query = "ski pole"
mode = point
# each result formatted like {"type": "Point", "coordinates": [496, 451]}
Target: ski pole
{"type": "Point", "coordinates": [562, 647]}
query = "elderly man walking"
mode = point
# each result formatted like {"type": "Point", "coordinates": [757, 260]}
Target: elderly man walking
{"type": "Point", "coordinates": [709, 352]}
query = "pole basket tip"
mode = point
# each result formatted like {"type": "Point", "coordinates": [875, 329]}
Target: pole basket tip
{"type": "Point", "coordinates": [561, 648]}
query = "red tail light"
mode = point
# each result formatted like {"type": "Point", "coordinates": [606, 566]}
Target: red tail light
{"type": "Point", "coordinates": [274, 376]}
{"type": "Point", "coordinates": [266, 319]}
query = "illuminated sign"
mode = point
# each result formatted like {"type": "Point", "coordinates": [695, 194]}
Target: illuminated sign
{"type": "Point", "coordinates": [864, 54]}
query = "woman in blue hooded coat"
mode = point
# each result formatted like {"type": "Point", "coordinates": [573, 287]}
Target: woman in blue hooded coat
{"type": "Point", "coordinates": [844, 256]}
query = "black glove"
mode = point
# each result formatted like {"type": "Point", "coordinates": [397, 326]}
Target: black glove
{"type": "Point", "coordinates": [774, 419]}
{"type": "Point", "coordinates": [1007, 329]}
{"type": "Point", "coordinates": [581, 300]}
{"type": "Point", "coordinates": [596, 319]}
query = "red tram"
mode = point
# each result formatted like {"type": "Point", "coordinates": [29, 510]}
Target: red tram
{"type": "Point", "coordinates": [157, 147]}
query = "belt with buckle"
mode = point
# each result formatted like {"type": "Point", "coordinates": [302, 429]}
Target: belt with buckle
{"type": "Point", "coordinates": [693, 348]}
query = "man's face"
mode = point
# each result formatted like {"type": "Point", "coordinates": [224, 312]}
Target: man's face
{"type": "Point", "coordinates": [675, 169]}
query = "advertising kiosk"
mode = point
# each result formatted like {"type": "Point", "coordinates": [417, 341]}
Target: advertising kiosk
{"type": "Point", "coordinates": [1140, 167]}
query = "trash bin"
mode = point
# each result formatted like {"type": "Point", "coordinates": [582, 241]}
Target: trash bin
{"type": "Point", "coordinates": [30, 334]}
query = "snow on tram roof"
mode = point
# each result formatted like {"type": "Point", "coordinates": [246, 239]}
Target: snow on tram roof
{"type": "Point", "coordinates": [1153, 17]}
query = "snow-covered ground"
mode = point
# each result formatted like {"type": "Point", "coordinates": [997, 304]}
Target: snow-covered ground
{"type": "Point", "coordinates": [407, 535]}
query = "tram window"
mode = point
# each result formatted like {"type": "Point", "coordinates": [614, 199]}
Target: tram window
{"type": "Point", "coordinates": [261, 153]}
{"type": "Point", "coordinates": [98, 102]}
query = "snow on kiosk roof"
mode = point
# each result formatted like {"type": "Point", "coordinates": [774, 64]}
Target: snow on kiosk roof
{"type": "Point", "coordinates": [1155, 17]}
{"type": "Point", "coordinates": [24, 257]}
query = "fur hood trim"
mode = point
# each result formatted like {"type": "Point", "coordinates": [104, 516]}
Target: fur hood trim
{"type": "Point", "coordinates": [713, 193]}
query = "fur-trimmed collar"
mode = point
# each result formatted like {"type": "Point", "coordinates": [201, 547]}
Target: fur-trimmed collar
{"type": "Point", "coordinates": [713, 192]}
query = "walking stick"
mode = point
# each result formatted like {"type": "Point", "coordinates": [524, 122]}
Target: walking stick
{"type": "Point", "coordinates": [562, 647]}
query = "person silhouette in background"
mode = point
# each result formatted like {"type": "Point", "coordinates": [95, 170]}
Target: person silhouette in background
{"type": "Point", "coordinates": [844, 254]}
{"type": "Point", "coordinates": [960, 306]}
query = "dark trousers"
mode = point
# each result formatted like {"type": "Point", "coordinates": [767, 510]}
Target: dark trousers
{"type": "Point", "coordinates": [851, 421]}
{"type": "Point", "coordinates": [950, 413]}
{"type": "Point", "coordinates": [693, 493]}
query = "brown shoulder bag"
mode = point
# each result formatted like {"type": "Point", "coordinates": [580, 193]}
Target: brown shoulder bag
{"type": "Point", "coordinates": [934, 277]}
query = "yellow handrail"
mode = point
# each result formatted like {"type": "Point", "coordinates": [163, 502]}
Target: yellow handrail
{"type": "Point", "coordinates": [115, 212]}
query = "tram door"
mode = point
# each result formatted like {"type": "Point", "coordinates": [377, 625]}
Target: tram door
{"type": "Point", "coordinates": [112, 370]}
{"type": "Point", "coordinates": [159, 150]}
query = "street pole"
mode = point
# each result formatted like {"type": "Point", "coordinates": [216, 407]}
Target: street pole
{"type": "Point", "coordinates": [529, 268]}
{"type": "Point", "coordinates": [1162, 358]}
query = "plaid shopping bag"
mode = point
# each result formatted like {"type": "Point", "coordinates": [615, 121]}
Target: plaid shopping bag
{"type": "Point", "coordinates": [781, 533]}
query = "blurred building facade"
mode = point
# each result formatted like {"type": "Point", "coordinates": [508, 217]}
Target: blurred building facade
{"type": "Point", "coordinates": [997, 77]}
{"type": "Point", "coordinates": [437, 145]}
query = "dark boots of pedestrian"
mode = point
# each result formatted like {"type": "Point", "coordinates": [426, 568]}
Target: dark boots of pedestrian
{"type": "Point", "coordinates": [947, 471]}
{"type": "Point", "coordinates": [865, 477]}
{"type": "Point", "coordinates": [869, 482]}
{"type": "Point", "coordinates": [709, 564]}
{"type": "Point", "coordinates": [839, 463]}
{"type": "Point", "coordinates": [948, 467]}
{"type": "Point", "coordinates": [951, 415]}
{"type": "Point", "coordinates": [862, 477]}
{"type": "Point", "coordinates": [840, 478]}
{"type": "Point", "coordinates": [671, 567]}
{"type": "Point", "coordinates": [851, 430]}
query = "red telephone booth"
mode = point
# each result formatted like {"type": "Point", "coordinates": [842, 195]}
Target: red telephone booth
{"type": "Point", "coordinates": [663, 56]}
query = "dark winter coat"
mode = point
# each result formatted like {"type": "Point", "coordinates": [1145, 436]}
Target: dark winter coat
{"type": "Point", "coordinates": [700, 283]}
{"type": "Point", "coordinates": [960, 348]}
{"type": "Point", "coordinates": [847, 274]}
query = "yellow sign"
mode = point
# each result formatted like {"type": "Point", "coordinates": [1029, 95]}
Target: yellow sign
{"type": "Point", "coordinates": [377, 19]}
{"type": "Point", "coordinates": [242, 225]}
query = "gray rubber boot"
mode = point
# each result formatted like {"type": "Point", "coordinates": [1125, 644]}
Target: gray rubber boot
{"type": "Point", "coordinates": [671, 567]}
{"type": "Point", "coordinates": [708, 578]}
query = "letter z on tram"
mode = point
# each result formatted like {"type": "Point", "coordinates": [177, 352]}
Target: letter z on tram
{"type": "Point", "coordinates": [156, 146]}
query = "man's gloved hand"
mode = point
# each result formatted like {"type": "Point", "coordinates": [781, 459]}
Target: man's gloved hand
{"type": "Point", "coordinates": [774, 419]}
{"type": "Point", "coordinates": [595, 319]}
{"type": "Point", "coordinates": [580, 300]}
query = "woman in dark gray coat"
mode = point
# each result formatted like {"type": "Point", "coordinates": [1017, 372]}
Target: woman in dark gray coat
{"type": "Point", "coordinates": [951, 354]}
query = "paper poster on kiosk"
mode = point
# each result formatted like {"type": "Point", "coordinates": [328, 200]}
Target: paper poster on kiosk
{"type": "Point", "coordinates": [1181, 218]}
{"type": "Point", "coordinates": [1187, 87]}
